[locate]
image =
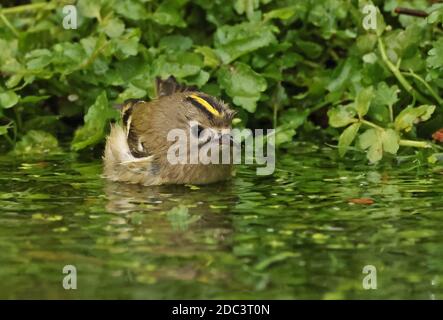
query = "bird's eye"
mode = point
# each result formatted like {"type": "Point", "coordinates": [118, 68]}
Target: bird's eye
{"type": "Point", "coordinates": [200, 130]}
{"type": "Point", "coordinates": [197, 130]}
{"type": "Point", "coordinates": [203, 134]}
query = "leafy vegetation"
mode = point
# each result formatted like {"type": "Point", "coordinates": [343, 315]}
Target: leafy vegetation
{"type": "Point", "coordinates": [307, 68]}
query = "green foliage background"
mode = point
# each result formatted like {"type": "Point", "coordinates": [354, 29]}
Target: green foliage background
{"type": "Point", "coordinates": [307, 68]}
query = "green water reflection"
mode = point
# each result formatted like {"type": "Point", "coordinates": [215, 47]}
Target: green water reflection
{"type": "Point", "coordinates": [290, 235]}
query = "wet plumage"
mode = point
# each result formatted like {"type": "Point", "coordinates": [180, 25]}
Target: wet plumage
{"type": "Point", "coordinates": [136, 150]}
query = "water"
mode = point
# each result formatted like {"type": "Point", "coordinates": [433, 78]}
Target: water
{"type": "Point", "coordinates": [293, 235]}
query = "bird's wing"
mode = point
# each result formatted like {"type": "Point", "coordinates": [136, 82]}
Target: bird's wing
{"type": "Point", "coordinates": [135, 145]}
{"type": "Point", "coordinates": [121, 165]}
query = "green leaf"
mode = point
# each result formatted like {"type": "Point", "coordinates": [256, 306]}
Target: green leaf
{"type": "Point", "coordinates": [113, 27]}
{"type": "Point", "coordinates": [210, 58]}
{"type": "Point", "coordinates": [293, 117]}
{"type": "Point", "coordinates": [435, 158]}
{"type": "Point", "coordinates": [326, 15]}
{"type": "Point", "coordinates": [132, 92]}
{"type": "Point", "coordinates": [371, 140]}
{"type": "Point", "coordinates": [363, 100]}
{"type": "Point", "coordinates": [284, 135]}
{"type": "Point", "coordinates": [410, 116]}
{"type": "Point", "coordinates": [8, 99]}
{"type": "Point", "coordinates": [385, 95]}
{"type": "Point", "coordinates": [435, 59]}
{"type": "Point", "coordinates": [347, 137]}
{"type": "Point", "coordinates": [390, 141]}
{"type": "Point", "coordinates": [243, 84]}
{"type": "Point", "coordinates": [131, 9]}
{"type": "Point", "coordinates": [246, 6]}
{"type": "Point", "coordinates": [367, 138]}
{"type": "Point", "coordinates": [309, 48]}
{"type": "Point", "coordinates": [9, 49]}
{"type": "Point", "coordinates": [281, 13]}
{"type": "Point", "coordinates": [231, 42]}
{"type": "Point", "coordinates": [96, 119]}
{"type": "Point", "coordinates": [14, 80]}
{"type": "Point", "coordinates": [180, 218]}
{"type": "Point", "coordinates": [435, 13]}
{"type": "Point", "coordinates": [36, 143]}
{"type": "Point", "coordinates": [199, 80]}
{"type": "Point", "coordinates": [66, 56]}
{"type": "Point", "coordinates": [180, 65]}
{"type": "Point", "coordinates": [365, 44]}
{"type": "Point", "coordinates": [34, 99]}
{"type": "Point", "coordinates": [170, 13]}
{"type": "Point", "coordinates": [4, 129]}
{"type": "Point", "coordinates": [342, 115]}
{"type": "Point", "coordinates": [46, 123]}
{"type": "Point", "coordinates": [89, 9]}
{"type": "Point", "coordinates": [176, 43]}
{"type": "Point", "coordinates": [381, 24]}
{"type": "Point", "coordinates": [38, 59]}
{"type": "Point", "coordinates": [127, 45]}
{"type": "Point", "coordinates": [375, 152]}
{"type": "Point", "coordinates": [343, 75]}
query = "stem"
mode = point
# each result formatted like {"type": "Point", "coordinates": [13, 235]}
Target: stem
{"type": "Point", "coordinates": [14, 127]}
{"type": "Point", "coordinates": [311, 64]}
{"type": "Point", "coordinates": [391, 113]}
{"type": "Point", "coordinates": [18, 117]}
{"type": "Point", "coordinates": [415, 144]}
{"type": "Point", "coordinates": [319, 106]}
{"type": "Point", "coordinates": [8, 138]}
{"type": "Point", "coordinates": [370, 124]}
{"type": "Point", "coordinates": [402, 142]}
{"type": "Point", "coordinates": [93, 56]}
{"type": "Point", "coordinates": [8, 24]}
{"type": "Point", "coordinates": [408, 87]}
{"type": "Point", "coordinates": [411, 12]}
{"type": "Point", "coordinates": [325, 103]}
{"type": "Point", "coordinates": [431, 91]}
{"type": "Point", "coordinates": [334, 54]}
{"type": "Point", "coordinates": [274, 119]}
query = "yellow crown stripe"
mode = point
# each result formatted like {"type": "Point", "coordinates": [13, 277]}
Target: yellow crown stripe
{"type": "Point", "coordinates": [205, 104]}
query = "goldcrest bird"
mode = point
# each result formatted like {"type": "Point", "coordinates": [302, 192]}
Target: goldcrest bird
{"type": "Point", "coordinates": [136, 151]}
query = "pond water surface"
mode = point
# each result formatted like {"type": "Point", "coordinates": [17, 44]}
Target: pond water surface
{"type": "Point", "coordinates": [293, 235]}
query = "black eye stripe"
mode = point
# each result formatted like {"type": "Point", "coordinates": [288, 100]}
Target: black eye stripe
{"type": "Point", "coordinates": [126, 114]}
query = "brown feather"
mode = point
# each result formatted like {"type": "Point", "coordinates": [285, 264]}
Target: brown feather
{"type": "Point", "coordinates": [137, 153]}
